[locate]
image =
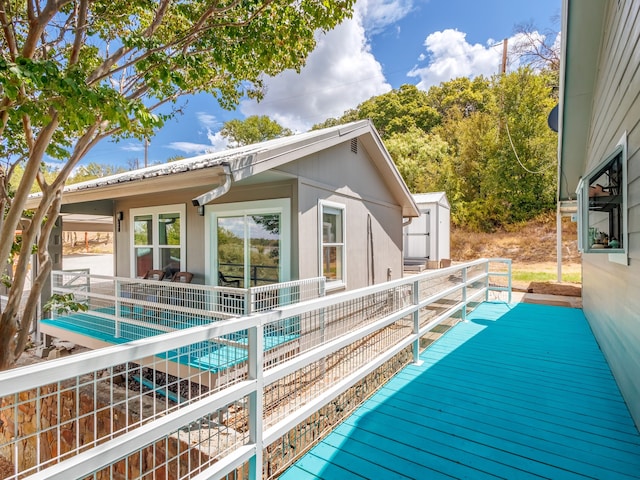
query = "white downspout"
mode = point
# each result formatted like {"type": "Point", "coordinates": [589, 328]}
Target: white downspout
{"type": "Point", "coordinates": [216, 192]}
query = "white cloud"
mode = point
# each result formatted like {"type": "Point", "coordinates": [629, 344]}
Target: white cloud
{"type": "Point", "coordinates": [206, 119]}
{"type": "Point", "coordinates": [378, 14]}
{"type": "Point", "coordinates": [450, 56]}
{"type": "Point", "coordinates": [133, 147]}
{"type": "Point", "coordinates": [216, 143]}
{"type": "Point", "coordinates": [189, 148]}
{"type": "Point", "coordinates": [340, 73]}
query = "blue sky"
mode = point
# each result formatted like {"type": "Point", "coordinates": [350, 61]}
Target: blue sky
{"type": "Point", "coordinates": [387, 43]}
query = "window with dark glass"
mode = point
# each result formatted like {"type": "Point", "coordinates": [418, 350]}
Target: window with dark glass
{"type": "Point", "coordinates": [605, 207]}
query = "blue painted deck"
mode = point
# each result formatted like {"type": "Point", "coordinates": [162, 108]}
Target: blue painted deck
{"type": "Point", "coordinates": [518, 392]}
{"type": "Point", "coordinates": [211, 356]}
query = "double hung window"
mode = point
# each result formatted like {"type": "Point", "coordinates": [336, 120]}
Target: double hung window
{"type": "Point", "coordinates": [332, 243]}
{"type": "Point", "coordinates": [158, 241]}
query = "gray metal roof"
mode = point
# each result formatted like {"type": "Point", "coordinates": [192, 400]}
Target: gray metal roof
{"type": "Point", "coordinates": [243, 162]}
{"type": "Point", "coordinates": [208, 160]}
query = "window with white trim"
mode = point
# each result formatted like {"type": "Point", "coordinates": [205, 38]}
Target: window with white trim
{"type": "Point", "coordinates": [332, 242]}
{"type": "Point", "coordinates": [603, 206]}
{"type": "Point", "coordinates": [158, 240]}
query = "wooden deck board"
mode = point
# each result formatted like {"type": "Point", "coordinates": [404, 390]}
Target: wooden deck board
{"type": "Point", "coordinates": [519, 391]}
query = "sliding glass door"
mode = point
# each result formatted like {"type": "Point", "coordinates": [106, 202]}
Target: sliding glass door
{"type": "Point", "coordinates": [249, 243]}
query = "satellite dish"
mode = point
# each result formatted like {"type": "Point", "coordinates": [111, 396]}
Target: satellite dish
{"type": "Point", "coordinates": [552, 120]}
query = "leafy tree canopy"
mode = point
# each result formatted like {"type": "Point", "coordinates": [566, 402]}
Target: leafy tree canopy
{"type": "Point", "coordinates": [398, 111]}
{"type": "Point", "coordinates": [253, 129]}
{"type": "Point", "coordinates": [484, 141]}
{"type": "Point", "coordinates": [73, 72]}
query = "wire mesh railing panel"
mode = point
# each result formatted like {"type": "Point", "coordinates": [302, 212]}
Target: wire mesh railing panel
{"type": "Point", "coordinates": [185, 452]}
{"type": "Point", "coordinates": [193, 398]}
{"type": "Point", "coordinates": [43, 425]}
{"type": "Point", "coordinates": [268, 297]}
{"type": "Point", "coordinates": [288, 448]}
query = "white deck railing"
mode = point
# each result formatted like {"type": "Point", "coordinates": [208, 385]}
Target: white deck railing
{"type": "Point", "coordinates": [235, 389]}
{"type": "Point", "coordinates": [132, 309]}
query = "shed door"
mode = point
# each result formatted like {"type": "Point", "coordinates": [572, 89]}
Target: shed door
{"type": "Point", "coordinates": [416, 236]}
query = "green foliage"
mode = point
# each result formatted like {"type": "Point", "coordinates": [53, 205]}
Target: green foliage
{"type": "Point", "coordinates": [253, 129]}
{"type": "Point", "coordinates": [64, 303]}
{"type": "Point", "coordinates": [74, 73]}
{"type": "Point", "coordinates": [392, 113]}
{"type": "Point", "coordinates": [485, 142]}
{"type": "Point", "coordinates": [419, 157]}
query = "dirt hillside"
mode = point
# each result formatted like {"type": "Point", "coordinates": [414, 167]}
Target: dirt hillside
{"type": "Point", "coordinates": [530, 246]}
{"type": "Point", "coordinates": [529, 243]}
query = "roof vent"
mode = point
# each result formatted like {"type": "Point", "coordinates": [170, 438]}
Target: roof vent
{"type": "Point", "coordinates": [354, 145]}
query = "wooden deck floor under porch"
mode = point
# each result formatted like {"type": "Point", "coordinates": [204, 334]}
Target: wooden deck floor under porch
{"type": "Point", "coordinates": [519, 391]}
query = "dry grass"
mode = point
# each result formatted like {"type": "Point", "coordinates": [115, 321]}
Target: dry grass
{"type": "Point", "coordinates": [531, 247]}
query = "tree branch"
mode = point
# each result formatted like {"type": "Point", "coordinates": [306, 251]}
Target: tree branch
{"type": "Point", "coordinates": [7, 28]}
{"type": "Point", "coordinates": [81, 25]}
{"type": "Point", "coordinates": [38, 24]}
{"type": "Point", "coordinates": [14, 214]}
{"type": "Point", "coordinates": [44, 261]}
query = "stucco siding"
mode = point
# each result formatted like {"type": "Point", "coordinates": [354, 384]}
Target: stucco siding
{"type": "Point", "coordinates": [611, 293]}
{"type": "Point", "coordinates": [344, 170]}
{"type": "Point", "coordinates": [373, 236]}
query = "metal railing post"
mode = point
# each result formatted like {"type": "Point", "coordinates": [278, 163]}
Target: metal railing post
{"type": "Point", "coordinates": [486, 286]}
{"type": "Point", "coordinates": [256, 402]}
{"type": "Point", "coordinates": [509, 281]}
{"type": "Point", "coordinates": [118, 304]}
{"type": "Point", "coordinates": [416, 323]}
{"type": "Point", "coordinates": [464, 294]}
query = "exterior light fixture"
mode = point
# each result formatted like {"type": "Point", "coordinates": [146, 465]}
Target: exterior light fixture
{"type": "Point", "coordinates": [119, 217]}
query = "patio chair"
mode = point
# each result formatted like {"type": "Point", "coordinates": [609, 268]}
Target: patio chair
{"type": "Point", "coordinates": [154, 275]}
{"type": "Point", "coordinates": [182, 277]}
{"type": "Point", "coordinates": [225, 282]}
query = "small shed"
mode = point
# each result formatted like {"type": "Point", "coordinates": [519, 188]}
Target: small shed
{"type": "Point", "coordinates": [427, 238]}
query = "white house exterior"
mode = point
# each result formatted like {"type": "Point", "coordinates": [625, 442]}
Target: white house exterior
{"type": "Point", "coordinates": [599, 171]}
{"type": "Point", "coordinates": [322, 203]}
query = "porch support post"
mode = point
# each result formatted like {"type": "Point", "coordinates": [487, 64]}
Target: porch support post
{"type": "Point", "coordinates": [256, 406]}
{"type": "Point", "coordinates": [559, 241]}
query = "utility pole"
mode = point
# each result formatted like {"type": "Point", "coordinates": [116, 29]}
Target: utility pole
{"type": "Point", "coordinates": [503, 70]}
{"type": "Point", "coordinates": [146, 152]}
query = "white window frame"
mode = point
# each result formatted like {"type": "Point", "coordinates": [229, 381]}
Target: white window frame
{"type": "Point", "coordinates": [322, 205]}
{"type": "Point", "coordinates": [616, 255]}
{"type": "Point", "coordinates": [261, 207]}
{"type": "Point", "coordinates": [155, 247]}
